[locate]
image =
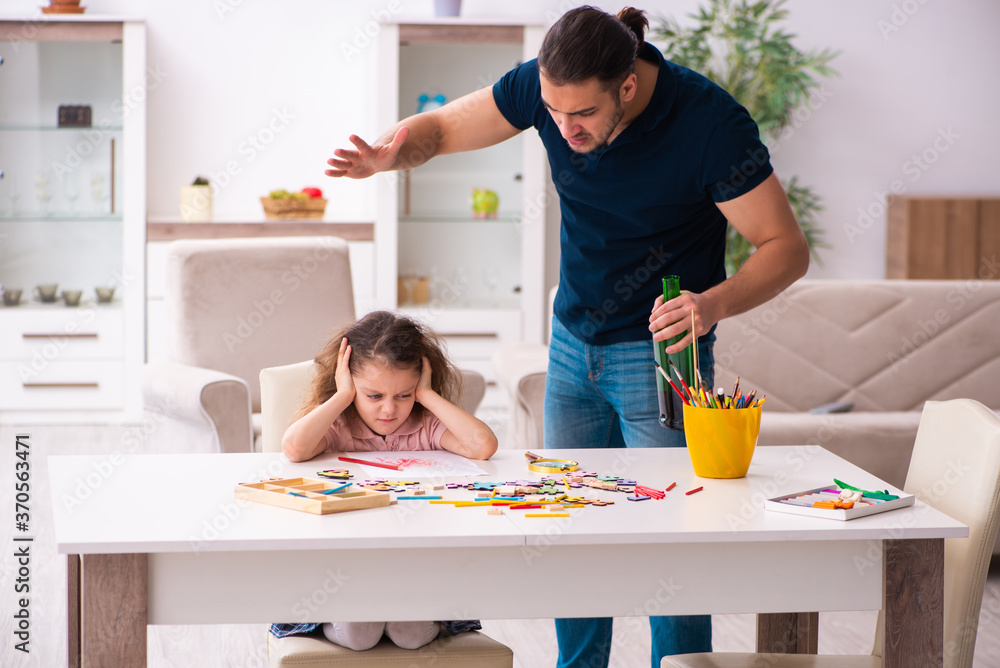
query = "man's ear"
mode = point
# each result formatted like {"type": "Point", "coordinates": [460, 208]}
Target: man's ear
{"type": "Point", "coordinates": [628, 88]}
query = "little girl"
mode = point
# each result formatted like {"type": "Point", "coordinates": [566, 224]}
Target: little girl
{"type": "Point", "coordinates": [384, 384]}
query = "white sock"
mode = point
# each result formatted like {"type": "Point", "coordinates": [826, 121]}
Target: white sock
{"type": "Point", "coordinates": [354, 635]}
{"type": "Point", "coordinates": [411, 635]}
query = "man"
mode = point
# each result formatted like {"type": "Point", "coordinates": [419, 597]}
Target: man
{"type": "Point", "coordinates": [650, 161]}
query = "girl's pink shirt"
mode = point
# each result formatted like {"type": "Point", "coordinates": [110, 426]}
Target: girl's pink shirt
{"type": "Point", "coordinates": [416, 433]}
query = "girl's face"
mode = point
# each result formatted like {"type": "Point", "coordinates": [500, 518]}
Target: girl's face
{"type": "Point", "coordinates": [384, 396]}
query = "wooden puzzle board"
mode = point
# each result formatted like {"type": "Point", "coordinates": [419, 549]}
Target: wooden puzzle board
{"type": "Point", "coordinates": [306, 494]}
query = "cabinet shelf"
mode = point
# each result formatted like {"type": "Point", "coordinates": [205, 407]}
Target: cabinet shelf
{"type": "Point", "coordinates": [63, 218]}
{"type": "Point", "coordinates": [56, 128]}
{"type": "Point", "coordinates": [501, 219]}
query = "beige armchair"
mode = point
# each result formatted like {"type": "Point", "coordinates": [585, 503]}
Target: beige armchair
{"type": "Point", "coordinates": [234, 307]}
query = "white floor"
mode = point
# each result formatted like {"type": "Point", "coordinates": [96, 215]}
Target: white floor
{"type": "Point", "coordinates": [243, 646]}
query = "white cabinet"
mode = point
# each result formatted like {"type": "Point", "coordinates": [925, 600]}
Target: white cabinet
{"type": "Point", "coordinates": [486, 275]}
{"type": "Point", "coordinates": [72, 213]}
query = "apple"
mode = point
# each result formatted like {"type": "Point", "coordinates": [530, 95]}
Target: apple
{"type": "Point", "coordinates": [312, 191]}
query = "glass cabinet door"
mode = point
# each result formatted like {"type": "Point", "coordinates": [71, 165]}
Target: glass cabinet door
{"type": "Point", "coordinates": [61, 153]}
{"type": "Point", "coordinates": [459, 215]}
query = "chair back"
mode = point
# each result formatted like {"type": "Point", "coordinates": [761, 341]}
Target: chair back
{"type": "Point", "coordinates": [283, 390]}
{"type": "Point", "coordinates": [955, 468]}
{"type": "Point", "coordinates": [242, 305]}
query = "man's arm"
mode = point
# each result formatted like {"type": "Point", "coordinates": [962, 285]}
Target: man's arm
{"type": "Point", "coordinates": [765, 218]}
{"type": "Point", "coordinates": [471, 122]}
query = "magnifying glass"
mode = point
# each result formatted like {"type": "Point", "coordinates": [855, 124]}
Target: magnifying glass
{"type": "Point", "coordinates": [543, 465]}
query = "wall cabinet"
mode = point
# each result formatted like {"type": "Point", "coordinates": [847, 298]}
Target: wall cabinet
{"type": "Point", "coordinates": [72, 214]}
{"type": "Point", "coordinates": [485, 274]}
{"type": "Point", "coordinates": [943, 237]}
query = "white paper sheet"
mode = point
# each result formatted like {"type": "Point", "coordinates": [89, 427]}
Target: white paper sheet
{"type": "Point", "coordinates": [417, 464]}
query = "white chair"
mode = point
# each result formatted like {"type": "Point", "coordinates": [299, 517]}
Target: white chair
{"type": "Point", "coordinates": [960, 430]}
{"type": "Point", "coordinates": [282, 390]}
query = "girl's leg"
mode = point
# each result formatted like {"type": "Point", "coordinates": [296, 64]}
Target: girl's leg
{"type": "Point", "coordinates": [354, 635]}
{"type": "Point", "coordinates": [411, 635]}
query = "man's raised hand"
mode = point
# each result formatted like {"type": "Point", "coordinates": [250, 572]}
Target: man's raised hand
{"type": "Point", "coordinates": [366, 160]}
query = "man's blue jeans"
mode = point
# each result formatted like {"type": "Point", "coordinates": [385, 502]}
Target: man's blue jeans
{"type": "Point", "coordinates": [605, 397]}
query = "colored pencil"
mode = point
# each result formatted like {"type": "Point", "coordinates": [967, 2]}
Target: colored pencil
{"type": "Point", "coordinates": [694, 343]}
{"type": "Point", "coordinates": [335, 489]}
{"type": "Point", "coordinates": [696, 489]}
{"type": "Point", "coordinates": [672, 485]}
{"type": "Point", "coordinates": [392, 467]}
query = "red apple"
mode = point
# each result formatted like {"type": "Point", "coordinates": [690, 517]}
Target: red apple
{"type": "Point", "coordinates": [312, 191]}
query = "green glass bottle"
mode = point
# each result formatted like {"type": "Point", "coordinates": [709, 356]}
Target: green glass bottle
{"type": "Point", "coordinates": [683, 361]}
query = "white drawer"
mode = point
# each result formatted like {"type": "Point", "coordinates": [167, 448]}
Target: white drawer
{"type": "Point", "coordinates": [60, 333]}
{"type": "Point", "coordinates": [61, 384]}
{"type": "Point", "coordinates": [471, 346]}
{"type": "Point", "coordinates": [505, 324]}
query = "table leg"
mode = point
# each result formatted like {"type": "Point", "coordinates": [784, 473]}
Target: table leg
{"type": "Point", "coordinates": [73, 610]}
{"type": "Point", "coordinates": [113, 610]}
{"type": "Point", "coordinates": [788, 632]}
{"type": "Point", "coordinates": [913, 603]}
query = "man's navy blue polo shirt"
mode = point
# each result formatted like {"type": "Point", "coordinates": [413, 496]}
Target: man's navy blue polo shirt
{"type": "Point", "coordinates": [644, 207]}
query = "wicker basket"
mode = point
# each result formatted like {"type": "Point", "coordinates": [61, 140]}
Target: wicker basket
{"type": "Point", "coordinates": [291, 208]}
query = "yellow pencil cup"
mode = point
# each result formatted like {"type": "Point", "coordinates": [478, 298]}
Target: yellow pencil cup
{"type": "Point", "coordinates": [721, 441]}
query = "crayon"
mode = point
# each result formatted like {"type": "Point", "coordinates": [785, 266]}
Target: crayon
{"type": "Point", "coordinates": [379, 464]}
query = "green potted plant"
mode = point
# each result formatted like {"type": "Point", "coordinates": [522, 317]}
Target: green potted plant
{"type": "Point", "coordinates": [740, 45]}
{"type": "Point", "coordinates": [196, 201]}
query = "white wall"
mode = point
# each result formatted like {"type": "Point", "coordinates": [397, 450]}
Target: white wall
{"type": "Point", "coordinates": [917, 77]}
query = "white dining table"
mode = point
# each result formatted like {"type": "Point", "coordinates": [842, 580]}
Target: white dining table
{"type": "Point", "coordinates": [162, 539]}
